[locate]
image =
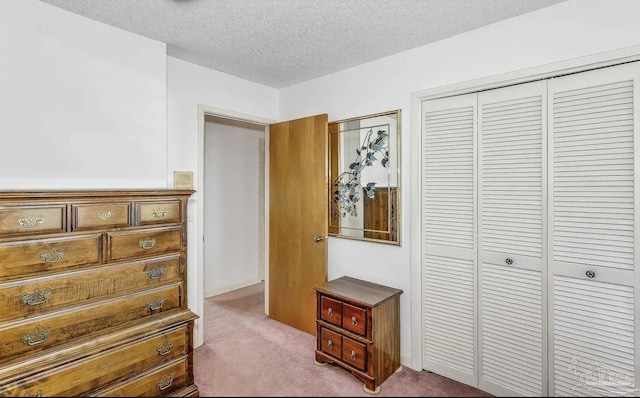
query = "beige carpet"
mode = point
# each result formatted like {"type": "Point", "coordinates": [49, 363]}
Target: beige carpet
{"type": "Point", "coordinates": [245, 353]}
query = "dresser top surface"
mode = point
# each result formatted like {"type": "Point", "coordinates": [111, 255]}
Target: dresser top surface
{"type": "Point", "coordinates": [349, 288]}
{"type": "Point", "coordinates": [92, 193]}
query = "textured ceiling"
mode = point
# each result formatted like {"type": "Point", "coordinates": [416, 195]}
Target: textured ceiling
{"type": "Point", "coordinates": [282, 42]}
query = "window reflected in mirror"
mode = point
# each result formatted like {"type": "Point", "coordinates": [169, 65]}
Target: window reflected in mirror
{"type": "Point", "coordinates": [364, 177]}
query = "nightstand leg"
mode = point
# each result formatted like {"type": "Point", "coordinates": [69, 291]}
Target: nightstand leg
{"type": "Point", "coordinates": [400, 369]}
{"type": "Point", "coordinates": [372, 392]}
{"type": "Point", "coordinates": [320, 363]}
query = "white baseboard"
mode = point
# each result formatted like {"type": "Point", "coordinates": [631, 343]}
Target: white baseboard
{"type": "Point", "coordinates": [228, 288]}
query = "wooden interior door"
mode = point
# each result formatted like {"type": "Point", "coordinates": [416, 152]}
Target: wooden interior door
{"type": "Point", "coordinates": [298, 197]}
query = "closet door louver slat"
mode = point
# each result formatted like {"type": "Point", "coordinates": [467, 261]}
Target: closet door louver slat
{"type": "Point", "coordinates": [448, 197]}
{"type": "Point", "coordinates": [512, 224]}
{"type": "Point", "coordinates": [594, 232]}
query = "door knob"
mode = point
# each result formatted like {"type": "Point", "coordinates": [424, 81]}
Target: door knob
{"type": "Point", "coordinates": [318, 239]}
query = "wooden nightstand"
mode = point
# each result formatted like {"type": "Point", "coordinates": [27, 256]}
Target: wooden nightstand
{"type": "Point", "coordinates": [358, 328]}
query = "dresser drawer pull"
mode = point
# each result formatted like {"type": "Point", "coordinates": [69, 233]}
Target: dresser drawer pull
{"type": "Point", "coordinates": [330, 344]}
{"type": "Point", "coordinates": [165, 348]}
{"type": "Point", "coordinates": [159, 213]}
{"type": "Point", "coordinates": [29, 222]}
{"type": "Point", "coordinates": [354, 320]}
{"type": "Point", "coordinates": [165, 382]}
{"type": "Point", "coordinates": [155, 304]}
{"type": "Point", "coordinates": [155, 273]}
{"type": "Point", "coordinates": [52, 256]}
{"type": "Point", "coordinates": [36, 297]}
{"type": "Point", "coordinates": [38, 336]}
{"type": "Point", "coordinates": [330, 312]}
{"type": "Point", "coordinates": [147, 243]}
{"type": "Point", "coordinates": [30, 394]}
{"type": "Point", "coordinates": [103, 215]}
{"type": "Point", "coordinates": [353, 355]}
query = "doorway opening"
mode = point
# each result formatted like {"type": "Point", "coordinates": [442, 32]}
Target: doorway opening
{"type": "Point", "coordinates": [251, 126]}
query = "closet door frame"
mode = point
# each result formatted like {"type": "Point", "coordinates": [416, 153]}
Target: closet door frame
{"type": "Point", "coordinates": [599, 60]}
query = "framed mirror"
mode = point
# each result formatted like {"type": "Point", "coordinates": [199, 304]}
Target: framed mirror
{"type": "Point", "coordinates": [364, 178]}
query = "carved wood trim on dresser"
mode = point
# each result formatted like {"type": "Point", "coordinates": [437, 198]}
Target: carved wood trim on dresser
{"type": "Point", "coordinates": [93, 294]}
{"type": "Point", "coordinates": [359, 329]}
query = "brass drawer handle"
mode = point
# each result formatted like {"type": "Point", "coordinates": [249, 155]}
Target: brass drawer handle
{"type": "Point", "coordinates": [159, 213]}
{"type": "Point", "coordinates": [354, 320]}
{"type": "Point", "coordinates": [147, 243]}
{"type": "Point", "coordinates": [38, 336]}
{"type": "Point", "coordinates": [103, 215]}
{"type": "Point", "coordinates": [52, 256]}
{"type": "Point", "coordinates": [155, 273]}
{"type": "Point", "coordinates": [29, 222]}
{"type": "Point", "coordinates": [155, 304]}
{"type": "Point", "coordinates": [36, 297]}
{"type": "Point", "coordinates": [353, 355]}
{"type": "Point", "coordinates": [165, 348]}
{"type": "Point", "coordinates": [165, 382]}
{"type": "Point", "coordinates": [30, 394]}
{"type": "Point", "coordinates": [330, 344]}
{"type": "Point", "coordinates": [330, 312]}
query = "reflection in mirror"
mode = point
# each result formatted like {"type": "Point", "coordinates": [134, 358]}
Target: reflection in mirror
{"type": "Point", "coordinates": [364, 177]}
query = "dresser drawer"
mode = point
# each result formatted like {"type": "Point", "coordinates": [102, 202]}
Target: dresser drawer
{"type": "Point", "coordinates": [155, 383]}
{"type": "Point", "coordinates": [16, 220]}
{"type": "Point", "coordinates": [36, 296]}
{"type": "Point", "coordinates": [28, 257]}
{"type": "Point", "coordinates": [331, 342]}
{"type": "Point", "coordinates": [354, 353]}
{"type": "Point", "coordinates": [158, 212]}
{"type": "Point", "coordinates": [148, 242]}
{"type": "Point", "coordinates": [331, 310]}
{"type": "Point", "coordinates": [108, 366]}
{"type": "Point", "coordinates": [354, 319]}
{"type": "Point", "coordinates": [37, 333]}
{"type": "Point", "coordinates": [100, 215]}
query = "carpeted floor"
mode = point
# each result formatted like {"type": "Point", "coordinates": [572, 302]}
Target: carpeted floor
{"type": "Point", "coordinates": [246, 354]}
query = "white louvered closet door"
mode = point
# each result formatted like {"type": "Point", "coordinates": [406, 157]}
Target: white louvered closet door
{"type": "Point", "coordinates": [594, 242]}
{"type": "Point", "coordinates": [512, 233]}
{"type": "Point", "coordinates": [448, 237]}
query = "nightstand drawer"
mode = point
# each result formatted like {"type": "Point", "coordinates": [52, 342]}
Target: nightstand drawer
{"type": "Point", "coordinates": [354, 319]}
{"type": "Point", "coordinates": [28, 257]}
{"type": "Point", "coordinates": [331, 342]}
{"type": "Point", "coordinates": [100, 215]}
{"type": "Point", "coordinates": [32, 219]}
{"type": "Point", "coordinates": [158, 382]}
{"type": "Point", "coordinates": [331, 310]}
{"type": "Point", "coordinates": [354, 353]}
{"type": "Point", "coordinates": [23, 298]}
{"type": "Point", "coordinates": [46, 331]}
{"type": "Point", "coordinates": [158, 212]}
{"type": "Point", "coordinates": [104, 368]}
{"type": "Point", "coordinates": [143, 243]}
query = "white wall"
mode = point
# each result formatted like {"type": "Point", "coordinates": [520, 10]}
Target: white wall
{"type": "Point", "coordinates": [231, 189]}
{"type": "Point", "coordinates": [190, 85]}
{"type": "Point", "coordinates": [82, 104]}
{"type": "Point", "coordinates": [568, 30]}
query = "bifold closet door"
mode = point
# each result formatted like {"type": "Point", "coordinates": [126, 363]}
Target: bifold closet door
{"type": "Point", "coordinates": [448, 237]}
{"type": "Point", "coordinates": [594, 230]}
{"type": "Point", "coordinates": [512, 182]}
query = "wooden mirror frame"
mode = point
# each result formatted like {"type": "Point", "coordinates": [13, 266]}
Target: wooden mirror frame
{"type": "Point", "coordinates": [368, 148]}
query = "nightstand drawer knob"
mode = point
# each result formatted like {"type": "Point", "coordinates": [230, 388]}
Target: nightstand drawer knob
{"type": "Point", "coordinates": [330, 312]}
{"type": "Point", "coordinates": [354, 320]}
{"type": "Point", "coordinates": [165, 348]}
{"type": "Point", "coordinates": [165, 382]}
{"type": "Point", "coordinates": [353, 355]}
{"type": "Point", "coordinates": [330, 344]}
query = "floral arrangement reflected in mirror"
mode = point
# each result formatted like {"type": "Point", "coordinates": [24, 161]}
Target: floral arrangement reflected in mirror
{"type": "Point", "coordinates": [347, 186]}
{"type": "Point", "coordinates": [364, 177]}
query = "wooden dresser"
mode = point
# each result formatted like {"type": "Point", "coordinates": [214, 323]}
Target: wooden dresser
{"type": "Point", "coordinates": [359, 329]}
{"type": "Point", "coordinates": [93, 294]}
